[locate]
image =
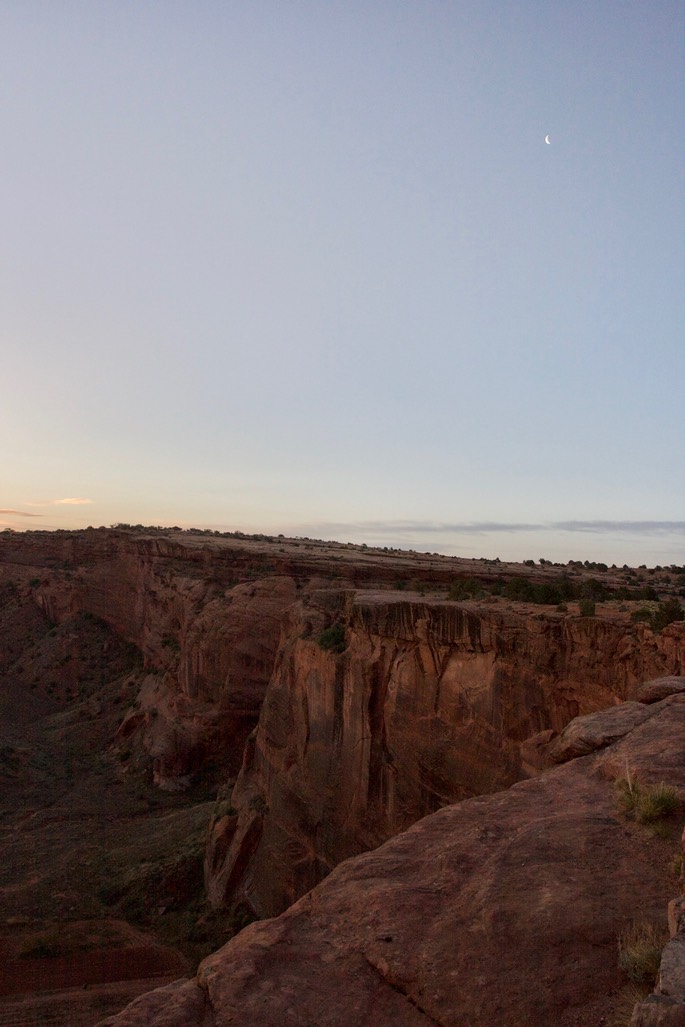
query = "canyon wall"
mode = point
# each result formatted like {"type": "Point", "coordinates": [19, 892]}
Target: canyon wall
{"type": "Point", "coordinates": [206, 621]}
{"type": "Point", "coordinates": [431, 702]}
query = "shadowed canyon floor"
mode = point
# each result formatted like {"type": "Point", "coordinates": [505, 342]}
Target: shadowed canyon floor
{"type": "Point", "coordinates": [353, 692]}
{"type": "Point", "coordinates": [72, 832]}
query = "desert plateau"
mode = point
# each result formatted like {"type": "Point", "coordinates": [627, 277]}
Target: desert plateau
{"type": "Point", "coordinates": [258, 780]}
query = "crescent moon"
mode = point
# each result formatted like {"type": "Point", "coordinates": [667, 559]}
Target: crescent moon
{"type": "Point", "coordinates": [547, 140]}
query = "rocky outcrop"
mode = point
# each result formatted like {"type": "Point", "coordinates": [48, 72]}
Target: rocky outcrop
{"type": "Point", "coordinates": [430, 702]}
{"type": "Point", "coordinates": [659, 688]}
{"type": "Point", "coordinates": [665, 1007]}
{"type": "Point", "coordinates": [502, 909]}
{"type": "Point", "coordinates": [597, 730]}
{"type": "Point", "coordinates": [175, 1003]}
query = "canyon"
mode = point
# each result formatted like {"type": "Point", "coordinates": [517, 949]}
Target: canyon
{"type": "Point", "coordinates": [299, 706]}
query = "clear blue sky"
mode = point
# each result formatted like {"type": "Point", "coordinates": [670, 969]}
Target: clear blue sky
{"type": "Point", "coordinates": [311, 267]}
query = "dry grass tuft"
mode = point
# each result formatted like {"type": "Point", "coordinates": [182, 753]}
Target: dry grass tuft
{"type": "Point", "coordinates": [648, 804]}
{"type": "Point", "coordinates": [626, 1000]}
{"type": "Point", "coordinates": [639, 952]}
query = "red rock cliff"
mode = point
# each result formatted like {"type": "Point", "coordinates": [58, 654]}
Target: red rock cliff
{"type": "Point", "coordinates": [431, 702]}
{"type": "Point", "coordinates": [205, 618]}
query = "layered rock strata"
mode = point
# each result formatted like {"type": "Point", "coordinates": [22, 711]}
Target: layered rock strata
{"type": "Point", "coordinates": [429, 703]}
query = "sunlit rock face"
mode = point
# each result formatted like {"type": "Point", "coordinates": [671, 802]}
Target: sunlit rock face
{"type": "Point", "coordinates": [430, 703]}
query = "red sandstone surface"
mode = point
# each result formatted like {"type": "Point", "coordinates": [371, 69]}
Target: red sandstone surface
{"type": "Point", "coordinates": [503, 909]}
{"type": "Point", "coordinates": [136, 664]}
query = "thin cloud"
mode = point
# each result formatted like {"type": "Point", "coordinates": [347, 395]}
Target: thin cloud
{"type": "Point", "coordinates": [19, 513]}
{"type": "Point", "coordinates": [72, 501]}
{"type": "Point", "coordinates": [502, 527]}
{"type": "Point", "coordinates": [419, 527]}
{"type": "Point", "coordinates": [634, 527]}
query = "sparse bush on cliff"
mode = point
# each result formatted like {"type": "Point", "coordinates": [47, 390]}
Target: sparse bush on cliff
{"type": "Point", "coordinates": [465, 588]}
{"type": "Point", "coordinates": [639, 952]}
{"type": "Point", "coordinates": [665, 613]}
{"type": "Point", "coordinates": [657, 803]}
{"type": "Point", "coordinates": [643, 614]}
{"type": "Point", "coordinates": [547, 593]}
{"type": "Point", "coordinates": [586, 607]}
{"type": "Point", "coordinates": [333, 639]}
{"type": "Point", "coordinates": [648, 804]}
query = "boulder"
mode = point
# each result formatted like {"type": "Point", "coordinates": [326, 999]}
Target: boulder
{"type": "Point", "coordinates": [597, 730]}
{"type": "Point", "coordinates": [659, 688]}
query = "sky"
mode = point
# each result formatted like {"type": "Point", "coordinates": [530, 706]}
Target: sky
{"type": "Point", "coordinates": [312, 268]}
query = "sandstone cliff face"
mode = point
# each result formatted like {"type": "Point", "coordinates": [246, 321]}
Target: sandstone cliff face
{"type": "Point", "coordinates": [430, 703]}
{"type": "Point", "coordinates": [206, 703]}
{"type": "Point", "coordinates": [502, 909]}
{"type": "Point", "coordinates": [208, 639]}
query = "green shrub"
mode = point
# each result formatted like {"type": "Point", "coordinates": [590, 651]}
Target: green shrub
{"type": "Point", "coordinates": [586, 607]}
{"type": "Point", "coordinates": [666, 613]}
{"type": "Point", "coordinates": [639, 952]}
{"type": "Point", "coordinates": [333, 639]}
{"type": "Point", "coordinates": [465, 588]}
{"type": "Point", "coordinates": [547, 593]}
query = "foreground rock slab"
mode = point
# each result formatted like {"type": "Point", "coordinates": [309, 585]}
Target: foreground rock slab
{"type": "Point", "coordinates": [502, 909]}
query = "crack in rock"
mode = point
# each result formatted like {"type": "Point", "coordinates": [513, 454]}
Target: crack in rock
{"type": "Point", "coordinates": [402, 991]}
